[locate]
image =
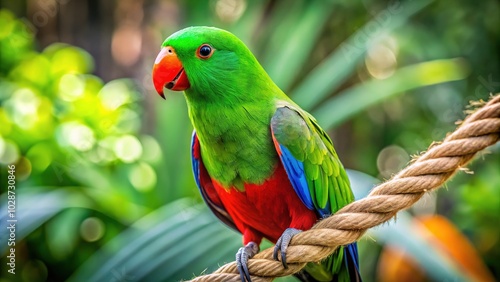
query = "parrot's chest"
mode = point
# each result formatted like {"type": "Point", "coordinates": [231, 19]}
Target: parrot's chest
{"type": "Point", "coordinates": [235, 141]}
{"type": "Point", "coordinates": [236, 159]}
{"type": "Point", "coordinates": [236, 148]}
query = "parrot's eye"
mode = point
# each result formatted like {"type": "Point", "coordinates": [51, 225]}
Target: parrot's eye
{"type": "Point", "coordinates": [205, 51]}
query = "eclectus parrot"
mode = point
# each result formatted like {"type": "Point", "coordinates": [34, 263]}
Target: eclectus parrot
{"type": "Point", "coordinates": [262, 164]}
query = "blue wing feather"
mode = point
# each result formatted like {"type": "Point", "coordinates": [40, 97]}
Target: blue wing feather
{"type": "Point", "coordinates": [352, 261]}
{"type": "Point", "coordinates": [295, 170]}
{"type": "Point", "coordinates": [296, 173]}
{"type": "Point", "coordinates": [195, 162]}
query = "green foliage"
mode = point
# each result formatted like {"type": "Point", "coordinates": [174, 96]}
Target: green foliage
{"type": "Point", "coordinates": [160, 247]}
{"type": "Point", "coordinates": [98, 186]}
{"type": "Point", "coordinates": [64, 127]}
{"type": "Point", "coordinates": [15, 41]}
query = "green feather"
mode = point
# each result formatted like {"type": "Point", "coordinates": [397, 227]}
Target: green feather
{"type": "Point", "coordinates": [323, 199]}
{"type": "Point", "coordinates": [325, 175]}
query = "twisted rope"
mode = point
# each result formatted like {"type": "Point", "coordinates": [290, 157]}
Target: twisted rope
{"type": "Point", "coordinates": [479, 130]}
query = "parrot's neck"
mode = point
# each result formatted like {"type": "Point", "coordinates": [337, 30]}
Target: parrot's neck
{"type": "Point", "coordinates": [235, 140]}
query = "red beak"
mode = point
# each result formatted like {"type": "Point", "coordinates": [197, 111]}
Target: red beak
{"type": "Point", "coordinates": [169, 72]}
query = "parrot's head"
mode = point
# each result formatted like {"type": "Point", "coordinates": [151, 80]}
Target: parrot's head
{"type": "Point", "coordinates": [203, 61]}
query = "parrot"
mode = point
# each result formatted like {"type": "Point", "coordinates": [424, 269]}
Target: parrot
{"type": "Point", "coordinates": [262, 164]}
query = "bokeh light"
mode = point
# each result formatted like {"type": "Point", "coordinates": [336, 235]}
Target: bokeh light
{"type": "Point", "coordinates": [105, 149]}
{"type": "Point", "coordinates": [230, 10]}
{"type": "Point", "coordinates": [127, 121]}
{"type": "Point", "coordinates": [71, 87]}
{"type": "Point", "coordinates": [381, 59]}
{"type": "Point", "coordinates": [115, 94]}
{"type": "Point", "coordinates": [23, 168]}
{"type": "Point", "coordinates": [126, 45]}
{"type": "Point", "coordinates": [128, 148]}
{"type": "Point", "coordinates": [68, 59]}
{"type": "Point", "coordinates": [22, 108]}
{"type": "Point", "coordinates": [92, 229]}
{"type": "Point", "coordinates": [77, 135]}
{"type": "Point", "coordinates": [143, 177]}
{"type": "Point", "coordinates": [152, 151]}
{"type": "Point", "coordinates": [391, 159]}
{"type": "Point", "coordinates": [9, 152]}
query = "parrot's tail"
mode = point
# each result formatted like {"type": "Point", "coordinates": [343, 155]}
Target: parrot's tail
{"type": "Point", "coordinates": [352, 260]}
{"type": "Point", "coordinates": [341, 266]}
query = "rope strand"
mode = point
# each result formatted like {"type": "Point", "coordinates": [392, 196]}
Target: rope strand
{"type": "Point", "coordinates": [431, 170]}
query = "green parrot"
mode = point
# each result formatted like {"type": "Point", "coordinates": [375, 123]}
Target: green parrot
{"type": "Point", "coordinates": [262, 164]}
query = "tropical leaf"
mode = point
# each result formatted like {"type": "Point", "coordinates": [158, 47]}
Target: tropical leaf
{"type": "Point", "coordinates": [34, 207]}
{"type": "Point", "coordinates": [362, 96]}
{"type": "Point", "coordinates": [325, 78]}
{"type": "Point", "coordinates": [177, 241]}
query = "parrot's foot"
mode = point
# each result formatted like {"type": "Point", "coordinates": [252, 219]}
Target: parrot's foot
{"type": "Point", "coordinates": [242, 256]}
{"type": "Point", "coordinates": [282, 244]}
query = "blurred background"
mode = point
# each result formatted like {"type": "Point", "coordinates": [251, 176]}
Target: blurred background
{"type": "Point", "coordinates": [104, 184]}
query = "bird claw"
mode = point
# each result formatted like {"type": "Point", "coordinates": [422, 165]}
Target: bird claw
{"type": "Point", "coordinates": [282, 244]}
{"type": "Point", "coordinates": [242, 257]}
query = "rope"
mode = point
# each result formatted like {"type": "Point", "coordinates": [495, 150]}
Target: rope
{"type": "Point", "coordinates": [429, 171]}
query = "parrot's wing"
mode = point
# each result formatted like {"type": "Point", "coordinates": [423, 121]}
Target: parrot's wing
{"type": "Point", "coordinates": [205, 185]}
{"type": "Point", "coordinates": [312, 165]}
{"type": "Point", "coordinates": [316, 174]}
